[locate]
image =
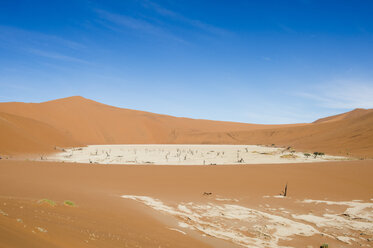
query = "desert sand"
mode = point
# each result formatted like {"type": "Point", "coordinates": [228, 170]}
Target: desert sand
{"type": "Point", "coordinates": [152, 206]}
{"type": "Point", "coordinates": [85, 193]}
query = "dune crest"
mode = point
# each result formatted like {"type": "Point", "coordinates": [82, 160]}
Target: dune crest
{"type": "Point", "coordinates": [348, 115]}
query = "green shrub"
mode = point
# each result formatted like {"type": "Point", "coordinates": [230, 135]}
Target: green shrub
{"type": "Point", "coordinates": [48, 202]}
{"type": "Point", "coordinates": [69, 203]}
{"type": "Point", "coordinates": [315, 154]}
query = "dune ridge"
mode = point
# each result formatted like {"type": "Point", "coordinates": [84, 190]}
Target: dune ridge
{"type": "Point", "coordinates": [77, 121]}
{"type": "Point", "coordinates": [348, 115]}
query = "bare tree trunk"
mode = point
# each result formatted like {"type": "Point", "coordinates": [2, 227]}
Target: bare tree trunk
{"type": "Point", "coordinates": [286, 190]}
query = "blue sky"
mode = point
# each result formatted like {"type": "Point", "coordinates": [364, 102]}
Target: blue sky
{"type": "Point", "coordinates": [248, 61]}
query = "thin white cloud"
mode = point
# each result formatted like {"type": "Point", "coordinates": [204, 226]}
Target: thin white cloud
{"type": "Point", "coordinates": [40, 44]}
{"type": "Point", "coordinates": [136, 24]}
{"type": "Point", "coordinates": [128, 22]}
{"type": "Point", "coordinates": [16, 36]}
{"type": "Point", "coordinates": [177, 16]}
{"type": "Point", "coordinates": [57, 56]}
{"type": "Point", "coordinates": [342, 94]}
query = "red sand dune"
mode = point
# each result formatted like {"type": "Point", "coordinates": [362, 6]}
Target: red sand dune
{"type": "Point", "coordinates": [348, 115]}
{"type": "Point", "coordinates": [84, 121]}
{"type": "Point", "coordinates": [347, 134]}
{"type": "Point", "coordinates": [19, 134]}
{"type": "Point", "coordinates": [74, 121]}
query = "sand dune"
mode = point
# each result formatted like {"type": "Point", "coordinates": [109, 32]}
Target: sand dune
{"type": "Point", "coordinates": [348, 115]}
{"type": "Point", "coordinates": [89, 122]}
{"type": "Point", "coordinates": [76, 121]}
{"type": "Point", "coordinates": [351, 135]}
{"type": "Point", "coordinates": [23, 135]}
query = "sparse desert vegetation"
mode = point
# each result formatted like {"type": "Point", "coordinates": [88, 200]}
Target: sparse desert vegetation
{"type": "Point", "coordinates": [47, 202]}
{"type": "Point", "coordinates": [69, 203]}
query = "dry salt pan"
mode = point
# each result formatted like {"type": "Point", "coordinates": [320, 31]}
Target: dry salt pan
{"type": "Point", "coordinates": [355, 219]}
{"type": "Point", "coordinates": [249, 227]}
{"type": "Point", "coordinates": [232, 222]}
{"type": "Point", "coordinates": [358, 210]}
{"type": "Point", "coordinates": [184, 155]}
{"type": "Point", "coordinates": [345, 239]}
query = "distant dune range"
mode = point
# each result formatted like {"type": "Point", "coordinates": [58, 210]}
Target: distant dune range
{"type": "Point", "coordinates": [77, 121]}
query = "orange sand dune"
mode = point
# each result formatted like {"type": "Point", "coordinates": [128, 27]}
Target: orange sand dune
{"type": "Point", "coordinates": [24, 135]}
{"type": "Point", "coordinates": [347, 134]}
{"type": "Point", "coordinates": [75, 121]}
{"type": "Point", "coordinates": [89, 122]}
{"type": "Point", "coordinates": [348, 115]}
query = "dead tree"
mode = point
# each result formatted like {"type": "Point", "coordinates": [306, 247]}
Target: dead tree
{"type": "Point", "coordinates": [285, 192]}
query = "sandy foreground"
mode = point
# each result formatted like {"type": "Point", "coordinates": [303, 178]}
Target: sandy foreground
{"type": "Point", "coordinates": [186, 206]}
{"type": "Point", "coordinates": [186, 155]}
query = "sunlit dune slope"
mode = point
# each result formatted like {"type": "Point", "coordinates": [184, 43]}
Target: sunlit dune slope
{"type": "Point", "coordinates": [348, 115]}
{"type": "Point", "coordinates": [347, 134]}
{"type": "Point", "coordinates": [90, 122]}
{"type": "Point", "coordinates": [77, 121]}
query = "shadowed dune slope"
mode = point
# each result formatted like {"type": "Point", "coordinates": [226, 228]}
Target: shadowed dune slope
{"type": "Point", "coordinates": [24, 135]}
{"type": "Point", "coordinates": [75, 121]}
